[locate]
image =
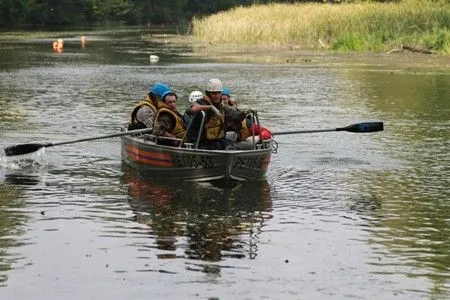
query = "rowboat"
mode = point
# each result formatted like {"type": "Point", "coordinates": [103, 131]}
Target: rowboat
{"type": "Point", "coordinates": [189, 162]}
{"type": "Point", "coordinates": [142, 152]}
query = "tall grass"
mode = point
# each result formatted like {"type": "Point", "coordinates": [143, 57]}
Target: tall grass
{"type": "Point", "coordinates": [364, 26]}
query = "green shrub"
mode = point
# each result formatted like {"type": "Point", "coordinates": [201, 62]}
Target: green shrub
{"type": "Point", "coordinates": [348, 43]}
{"type": "Point", "coordinates": [358, 26]}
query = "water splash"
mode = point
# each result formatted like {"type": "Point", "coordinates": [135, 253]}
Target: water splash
{"type": "Point", "coordinates": [33, 161]}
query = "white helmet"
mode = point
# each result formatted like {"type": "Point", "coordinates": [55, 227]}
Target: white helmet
{"type": "Point", "coordinates": [195, 95]}
{"type": "Point", "coordinates": [214, 85]}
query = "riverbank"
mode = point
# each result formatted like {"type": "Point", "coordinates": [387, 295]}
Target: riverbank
{"type": "Point", "coordinates": [358, 27]}
{"type": "Point", "coordinates": [259, 53]}
{"type": "Point", "coordinates": [270, 54]}
{"type": "Point", "coordinates": [399, 60]}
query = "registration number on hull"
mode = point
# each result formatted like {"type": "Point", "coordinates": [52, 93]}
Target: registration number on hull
{"type": "Point", "coordinates": [193, 161]}
{"type": "Point", "coordinates": [249, 162]}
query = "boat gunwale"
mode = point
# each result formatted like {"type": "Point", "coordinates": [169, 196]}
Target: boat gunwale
{"type": "Point", "coordinates": [140, 140]}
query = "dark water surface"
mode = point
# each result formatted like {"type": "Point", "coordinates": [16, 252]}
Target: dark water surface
{"type": "Point", "coordinates": [341, 215]}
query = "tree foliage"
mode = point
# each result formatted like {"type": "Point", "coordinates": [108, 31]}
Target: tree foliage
{"type": "Point", "coordinates": [62, 13]}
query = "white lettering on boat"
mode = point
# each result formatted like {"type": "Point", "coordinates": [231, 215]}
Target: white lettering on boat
{"type": "Point", "coordinates": [192, 161]}
{"type": "Point", "coordinates": [249, 162]}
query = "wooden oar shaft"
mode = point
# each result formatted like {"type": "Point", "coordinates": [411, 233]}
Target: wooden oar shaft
{"type": "Point", "coordinates": [131, 132]}
{"type": "Point", "coordinates": [32, 147]}
{"type": "Point", "coordinates": [302, 131]}
{"type": "Point", "coordinates": [365, 127]}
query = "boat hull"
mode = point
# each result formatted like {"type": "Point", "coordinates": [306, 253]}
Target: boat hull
{"type": "Point", "coordinates": [195, 164]}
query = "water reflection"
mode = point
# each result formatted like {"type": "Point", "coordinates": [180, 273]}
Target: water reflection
{"type": "Point", "coordinates": [13, 218]}
{"type": "Point", "coordinates": [21, 179]}
{"type": "Point", "coordinates": [205, 221]}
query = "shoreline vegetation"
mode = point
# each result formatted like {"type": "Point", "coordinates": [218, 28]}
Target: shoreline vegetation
{"type": "Point", "coordinates": [409, 33]}
{"type": "Point", "coordinates": [421, 26]}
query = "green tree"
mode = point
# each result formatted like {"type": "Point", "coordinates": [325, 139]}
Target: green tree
{"type": "Point", "coordinates": [12, 12]}
{"type": "Point", "coordinates": [59, 13]}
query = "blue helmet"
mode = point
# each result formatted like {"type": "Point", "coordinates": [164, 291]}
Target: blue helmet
{"type": "Point", "coordinates": [168, 92]}
{"type": "Point", "coordinates": [226, 91]}
{"type": "Point", "coordinates": [158, 89]}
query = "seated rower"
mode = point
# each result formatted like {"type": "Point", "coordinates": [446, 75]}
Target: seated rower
{"type": "Point", "coordinates": [250, 130]}
{"type": "Point", "coordinates": [195, 98]}
{"type": "Point", "coordinates": [243, 136]}
{"type": "Point", "coordinates": [227, 100]}
{"type": "Point", "coordinates": [168, 121]}
{"type": "Point", "coordinates": [212, 134]}
{"type": "Point", "coordinates": [143, 114]}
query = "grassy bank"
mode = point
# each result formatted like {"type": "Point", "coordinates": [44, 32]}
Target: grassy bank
{"type": "Point", "coordinates": [377, 27]}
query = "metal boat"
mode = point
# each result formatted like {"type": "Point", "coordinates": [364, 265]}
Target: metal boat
{"type": "Point", "coordinates": [188, 162]}
{"type": "Point", "coordinates": [149, 158]}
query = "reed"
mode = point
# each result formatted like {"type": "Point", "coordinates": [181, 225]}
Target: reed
{"type": "Point", "coordinates": [365, 26]}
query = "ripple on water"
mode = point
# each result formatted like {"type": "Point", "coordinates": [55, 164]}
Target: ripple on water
{"type": "Point", "coordinates": [33, 161]}
{"type": "Point", "coordinates": [339, 210]}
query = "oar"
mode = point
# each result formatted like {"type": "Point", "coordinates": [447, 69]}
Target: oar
{"type": "Point", "coordinates": [359, 128]}
{"type": "Point", "coordinates": [32, 147]}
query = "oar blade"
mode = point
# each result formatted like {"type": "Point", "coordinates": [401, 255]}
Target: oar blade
{"type": "Point", "coordinates": [363, 127]}
{"type": "Point", "coordinates": [23, 149]}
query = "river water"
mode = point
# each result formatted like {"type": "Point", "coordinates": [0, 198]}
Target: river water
{"type": "Point", "coordinates": [341, 215]}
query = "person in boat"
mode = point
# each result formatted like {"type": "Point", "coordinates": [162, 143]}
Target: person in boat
{"type": "Point", "coordinates": [169, 122]}
{"type": "Point", "coordinates": [196, 105]}
{"type": "Point", "coordinates": [83, 40]}
{"type": "Point", "coordinates": [248, 133]}
{"type": "Point", "coordinates": [143, 114]}
{"type": "Point", "coordinates": [227, 100]}
{"type": "Point", "coordinates": [212, 136]}
{"type": "Point", "coordinates": [243, 136]}
{"type": "Point", "coordinates": [231, 130]}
